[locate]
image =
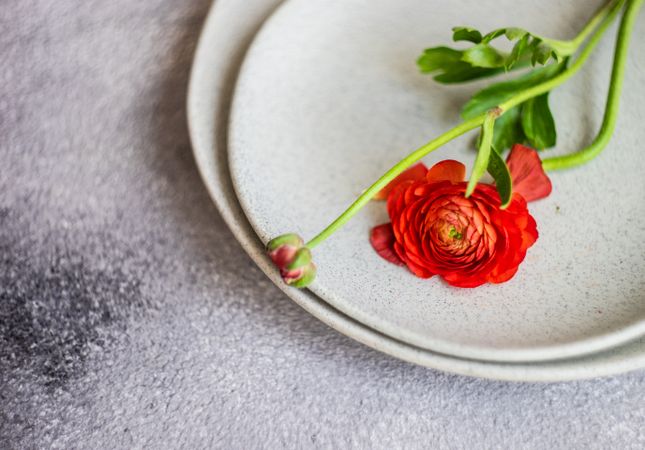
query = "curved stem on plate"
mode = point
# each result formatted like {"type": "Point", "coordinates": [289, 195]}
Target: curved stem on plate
{"type": "Point", "coordinates": [605, 20]}
{"type": "Point", "coordinates": [391, 174]}
{"type": "Point", "coordinates": [613, 97]}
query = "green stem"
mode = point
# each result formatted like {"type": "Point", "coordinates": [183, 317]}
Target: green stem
{"type": "Point", "coordinates": [554, 82]}
{"type": "Point", "coordinates": [464, 127]}
{"type": "Point", "coordinates": [613, 97]}
{"type": "Point", "coordinates": [600, 15]}
{"type": "Point", "coordinates": [481, 161]}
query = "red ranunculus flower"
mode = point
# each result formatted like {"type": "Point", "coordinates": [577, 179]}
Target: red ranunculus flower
{"type": "Point", "coordinates": [435, 230]}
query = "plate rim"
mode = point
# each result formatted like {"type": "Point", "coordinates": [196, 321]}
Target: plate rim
{"type": "Point", "coordinates": [207, 100]}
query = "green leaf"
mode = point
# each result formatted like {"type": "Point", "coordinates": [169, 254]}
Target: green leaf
{"type": "Point", "coordinates": [465, 72]}
{"type": "Point", "coordinates": [558, 57]}
{"type": "Point", "coordinates": [535, 48]}
{"type": "Point", "coordinates": [508, 129]}
{"type": "Point", "coordinates": [493, 35]}
{"type": "Point", "coordinates": [500, 92]}
{"type": "Point", "coordinates": [541, 54]}
{"type": "Point", "coordinates": [447, 66]}
{"type": "Point", "coordinates": [502, 176]}
{"type": "Point", "coordinates": [538, 123]}
{"type": "Point", "coordinates": [483, 55]}
{"type": "Point", "coordinates": [515, 33]}
{"type": "Point", "coordinates": [466, 34]}
{"type": "Point", "coordinates": [438, 58]}
{"type": "Point", "coordinates": [561, 49]}
{"type": "Point", "coordinates": [520, 49]}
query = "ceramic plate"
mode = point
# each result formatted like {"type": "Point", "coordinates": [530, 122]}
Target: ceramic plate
{"type": "Point", "coordinates": [226, 34]}
{"type": "Point", "coordinates": [329, 97]}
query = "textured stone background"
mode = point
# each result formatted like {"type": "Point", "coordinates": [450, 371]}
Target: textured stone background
{"type": "Point", "coordinates": [130, 317]}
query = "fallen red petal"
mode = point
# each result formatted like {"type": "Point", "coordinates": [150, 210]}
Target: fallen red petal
{"type": "Point", "coordinates": [382, 240]}
{"type": "Point", "coordinates": [527, 174]}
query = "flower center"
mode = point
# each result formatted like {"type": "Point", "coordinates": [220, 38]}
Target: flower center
{"type": "Point", "coordinates": [449, 235]}
{"type": "Point", "coordinates": [454, 234]}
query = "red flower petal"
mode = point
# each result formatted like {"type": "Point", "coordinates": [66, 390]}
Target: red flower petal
{"type": "Point", "coordinates": [414, 173]}
{"type": "Point", "coordinates": [382, 239]}
{"type": "Point", "coordinates": [283, 255]}
{"type": "Point", "coordinates": [447, 170]}
{"type": "Point", "coordinates": [529, 178]}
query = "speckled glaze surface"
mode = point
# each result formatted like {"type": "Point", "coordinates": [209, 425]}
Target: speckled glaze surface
{"type": "Point", "coordinates": [224, 39]}
{"type": "Point", "coordinates": [332, 88]}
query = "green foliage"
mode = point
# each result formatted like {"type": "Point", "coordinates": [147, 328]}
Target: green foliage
{"type": "Point", "coordinates": [529, 122]}
{"type": "Point", "coordinates": [508, 129]}
{"type": "Point", "coordinates": [448, 67]}
{"type": "Point", "coordinates": [466, 34]}
{"type": "Point", "coordinates": [499, 171]}
{"type": "Point", "coordinates": [538, 123]}
{"type": "Point", "coordinates": [498, 93]}
{"type": "Point", "coordinates": [482, 59]}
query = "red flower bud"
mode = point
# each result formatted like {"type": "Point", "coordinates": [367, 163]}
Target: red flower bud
{"type": "Point", "coordinates": [282, 249]}
{"type": "Point", "coordinates": [293, 259]}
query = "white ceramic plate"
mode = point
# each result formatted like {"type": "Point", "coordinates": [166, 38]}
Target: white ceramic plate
{"type": "Point", "coordinates": [329, 97]}
{"type": "Point", "coordinates": [225, 36]}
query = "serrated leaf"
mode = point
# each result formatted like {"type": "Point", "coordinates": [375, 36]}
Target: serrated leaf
{"type": "Point", "coordinates": [460, 74]}
{"type": "Point", "coordinates": [541, 54]}
{"type": "Point", "coordinates": [500, 92]}
{"type": "Point", "coordinates": [493, 35]}
{"type": "Point", "coordinates": [538, 123]}
{"type": "Point", "coordinates": [446, 65]}
{"type": "Point", "coordinates": [466, 34]}
{"type": "Point", "coordinates": [520, 49]}
{"type": "Point", "coordinates": [483, 55]}
{"type": "Point", "coordinates": [560, 48]}
{"type": "Point", "coordinates": [438, 58]}
{"type": "Point", "coordinates": [502, 176]}
{"type": "Point", "coordinates": [515, 33]}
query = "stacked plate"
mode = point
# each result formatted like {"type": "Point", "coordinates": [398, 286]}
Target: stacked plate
{"type": "Point", "coordinates": [295, 108]}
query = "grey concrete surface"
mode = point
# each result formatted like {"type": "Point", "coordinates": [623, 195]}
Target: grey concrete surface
{"type": "Point", "coordinates": [130, 317]}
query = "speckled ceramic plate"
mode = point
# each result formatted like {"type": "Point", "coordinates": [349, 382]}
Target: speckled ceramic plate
{"type": "Point", "coordinates": [329, 97]}
{"type": "Point", "coordinates": [225, 37]}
